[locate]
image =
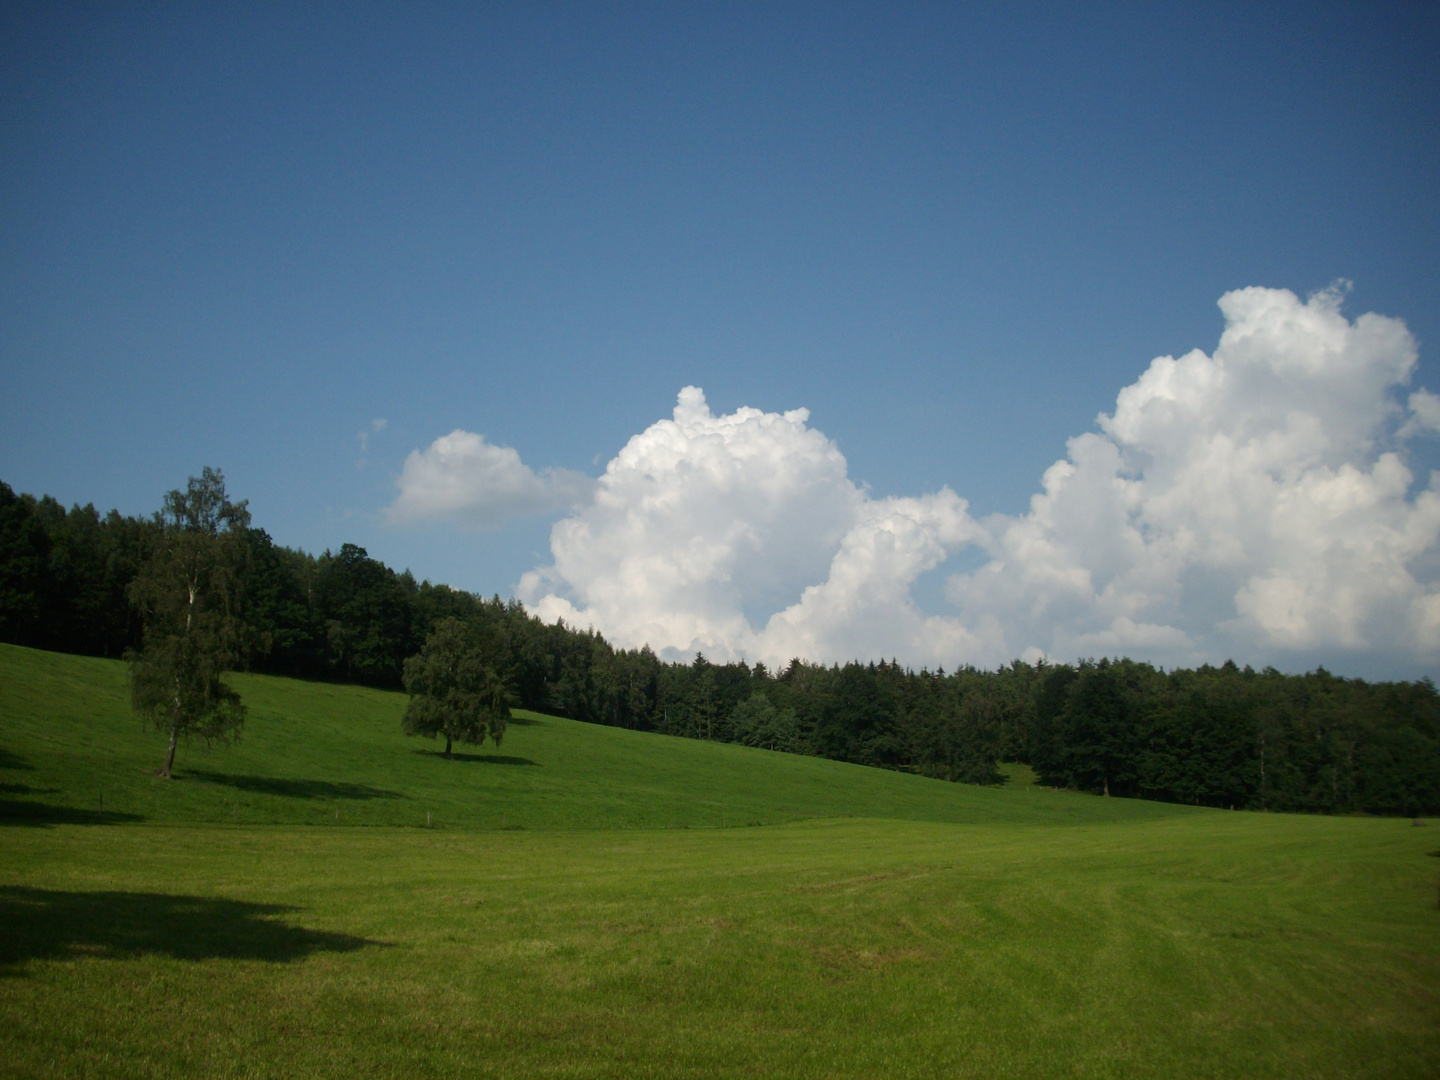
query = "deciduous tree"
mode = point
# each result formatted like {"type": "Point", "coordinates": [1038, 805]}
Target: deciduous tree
{"type": "Point", "coordinates": [454, 690]}
{"type": "Point", "coordinates": [187, 592]}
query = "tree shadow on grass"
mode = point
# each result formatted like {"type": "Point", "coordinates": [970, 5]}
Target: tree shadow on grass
{"type": "Point", "coordinates": [484, 759]}
{"type": "Point", "coordinates": [13, 761]}
{"type": "Point", "coordinates": [294, 789]}
{"type": "Point", "coordinates": [43, 816]}
{"type": "Point", "coordinates": [43, 924]}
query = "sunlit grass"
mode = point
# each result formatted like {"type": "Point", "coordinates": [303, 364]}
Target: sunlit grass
{"type": "Point", "coordinates": [321, 754]}
{"type": "Point", "coordinates": [1216, 945]}
{"type": "Point", "coordinates": [947, 931]}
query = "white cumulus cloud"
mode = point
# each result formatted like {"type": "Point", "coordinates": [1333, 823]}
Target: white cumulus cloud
{"type": "Point", "coordinates": [1245, 503]}
{"type": "Point", "coordinates": [1253, 502]}
{"type": "Point", "coordinates": [1424, 415]}
{"type": "Point", "coordinates": [462, 478]}
{"type": "Point", "coordinates": [703, 520]}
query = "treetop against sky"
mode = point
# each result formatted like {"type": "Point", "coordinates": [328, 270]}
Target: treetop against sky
{"type": "Point", "coordinates": [431, 283]}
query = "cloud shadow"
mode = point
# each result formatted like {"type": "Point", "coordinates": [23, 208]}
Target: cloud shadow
{"type": "Point", "coordinates": [44, 924]}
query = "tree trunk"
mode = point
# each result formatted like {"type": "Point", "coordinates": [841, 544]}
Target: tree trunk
{"type": "Point", "coordinates": [447, 746]}
{"type": "Point", "coordinates": [170, 754]}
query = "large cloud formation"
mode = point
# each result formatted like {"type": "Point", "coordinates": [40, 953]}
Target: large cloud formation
{"type": "Point", "coordinates": [1254, 502]}
{"type": "Point", "coordinates": [1251, 503]}
{"type": "Point", "coordinates": [702, 517]}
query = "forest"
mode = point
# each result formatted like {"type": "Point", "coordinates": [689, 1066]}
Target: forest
{"type": "Point", "coordinates": [1225, 736]}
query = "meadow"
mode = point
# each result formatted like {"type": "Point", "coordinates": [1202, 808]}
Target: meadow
{"type": "Point", "coordinates": [593, 902]}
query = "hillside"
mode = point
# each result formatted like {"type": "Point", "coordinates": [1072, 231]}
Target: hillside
{"type": "Point", "coordinates": [235, 922]}
{"type": "Point", "coordinates": [321, 754]}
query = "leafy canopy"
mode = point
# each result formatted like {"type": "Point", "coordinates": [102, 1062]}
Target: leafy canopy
{"type": "Point", "coordinates": [453, 690]}
{"type": "Point", "coordinates": [187, 592]}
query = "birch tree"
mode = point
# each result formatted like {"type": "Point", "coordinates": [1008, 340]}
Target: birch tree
{"type": "Point", "coordinates": [187, 592]}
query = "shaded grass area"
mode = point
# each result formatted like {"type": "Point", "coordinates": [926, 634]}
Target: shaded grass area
{"type": "Point", "coordinates": [321, 754]}
{"type": "Point", "coordinates": [49, 924]}
{"type": "Point", "coordinates": [23, 812]}
{"type": "Point", "coordinates": [1210, 945]}
{"type": "Point", "coordinates": [293, 789]}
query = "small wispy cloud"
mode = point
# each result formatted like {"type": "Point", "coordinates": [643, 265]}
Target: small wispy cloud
{"type": "Point", "coordinates": [363, 437]}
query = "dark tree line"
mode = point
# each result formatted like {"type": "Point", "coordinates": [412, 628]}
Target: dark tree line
{"type": "Point", "coordinates": [1215, 736]}
{"type": "Point", "coordinates": [1225, 736]}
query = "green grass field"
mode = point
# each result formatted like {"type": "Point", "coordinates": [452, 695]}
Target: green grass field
{"type": "Point", "coordinates": [631, 919]}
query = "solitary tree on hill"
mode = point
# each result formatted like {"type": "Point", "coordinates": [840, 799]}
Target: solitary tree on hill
{"type": "Point", "coordinates": [453, 691]}
{"type": "Point", "coordinates": [187, 593]}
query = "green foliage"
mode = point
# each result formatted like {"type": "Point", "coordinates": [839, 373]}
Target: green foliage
{"type": "Point", "coordinates": [187, 591]}
{"type": "Point", "coordinates": [453, 690]}
{"type": "Point", "coordinates": [1213, 736]}
{"type": "Point", "coordinates": [367, 616]}
{"type": "Point", "coordinates": [177, 683]}
{"type": "Point", "coordinates": [24, 553]}
{"type": "Point", "coordinates": [63, 576]}
{"type": "Point", "coordinates": [326, 754]}
{"type": "Point", "coordinates": [756, 722]}
{"type": "Point", "coordinates": [1226, 736]}
{"type": "Point", "coordinates": [926, 928]}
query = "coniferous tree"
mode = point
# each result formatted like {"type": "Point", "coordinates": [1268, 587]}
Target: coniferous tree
{"type": "Point", "coordinates": [24, 559]}
{"type": "Point", "coordinates": [1217, 736]}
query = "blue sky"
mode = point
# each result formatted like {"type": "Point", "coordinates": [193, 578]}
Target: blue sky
{"type": "Point", "coordinates": [240, 235]}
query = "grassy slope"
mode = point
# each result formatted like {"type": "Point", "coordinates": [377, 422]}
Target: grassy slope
{"type": "Point", "coordinates": [1210, 946]}
{"type": "Point", "coordinates": [975, 939]}
{"type": "Point", "coordinates": [312, 749]}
